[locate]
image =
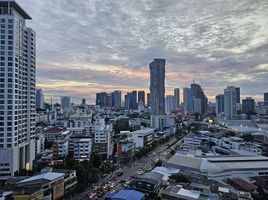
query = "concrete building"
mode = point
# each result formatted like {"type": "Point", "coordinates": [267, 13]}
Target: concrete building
{"type": "Point", "coordinates": [66, 103]}
{"type": "Point", "coordinates": [179, 193]}
{"type": "Point", "coordinates": [177, 97]}
{"type": "Point", "coordinates": [237, 89]}
{"type": "Point", "coordinates": [219, 104]}
{"type": "Point", "coordinates": [61, 148]}
{"type": "Point", "coordinates": [103, 140]}
{"type": "Point", "coordinates": [141, 97]}
{"type": "Point", "coordinates": [101, 99]}
{"type": "Point", "coordinates": [125, 150]}
{"type": "Point", "coordinates": [17, 89]}
{"type": "Point", "coordinates": [157, 87]}
{"type": "Point", "coordinates": [54, 133]}
{"type": "Point", "coordinates": [186, 98]}
{"type": "Point", "coordinates": [169, 104]}
{"type": "Point", "coordinates": [148, 99]}
{"type": "Point", "coordinates": [149, 183]}
{"type": "Point", "coordinates": [198, 93]}
{"type": "Point", "coordinates": [230, 102]}
{"type": "Point", "coordinates": [143, 138]}
{"type": "Point", "coordinates": [116, 95]}
{"type": "Point", "coordinates": [51, 183]}
{"type": "Point", "coordinates": [248, 105]}
{"type": "Point", "coordinates": [39, 100]}
{"type": "Point", "coordinates": [265, 98]}
{"type": "Point", "coordinates": [83, 148]}
{"type": "Point", "coordinates": [161, 122]}
{"type": "Point", "coordinates": [197, 105]}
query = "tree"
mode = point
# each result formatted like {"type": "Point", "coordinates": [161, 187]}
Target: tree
{"type": "Point", "coordinates": [96, 160]}
{"type": "Point", "coordinates": [179, 178]}
{"type": "Point", "coordinates": [248, 137]}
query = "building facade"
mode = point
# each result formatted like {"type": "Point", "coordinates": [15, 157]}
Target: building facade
{"type": "Point", "coordinates": [39, 102]}
{"type": "Point", "coordinates": [230, 103]}
{"type": "Point", "coordinates": [186, 98]}
{"type": "Point", "coordinates": [66, 103]}
{"type": "Point", "coordinates": [219, 104]}
{"type": "Point", "coordinates": [177, 97]}
{"type": "Point", "coordinates": [17, 90]}
{"type": "Point", "coordinates": [169, 103]}
{"type": "Point", "coordinates": [157, 86]}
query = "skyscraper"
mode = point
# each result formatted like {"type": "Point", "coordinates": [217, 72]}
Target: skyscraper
{"type": "Point", "coordinates": [169, 103]}
{"type": "Point", "coordinates": [230, 101]}
{"type": "Point", "coordinates": [101, 99]}
{"type": "Point", "coordinates": [157, 86]}
{"type": "Point", "coordinates": [133, 101]}
{"type": "Point", "coordinates": [148, 99]}
{"type": "Point", "coordinates": [237, 89]}
{"type": "Point", "coordinates": [265, 97]}
{"type": "Point", "coordinates": [186, 98]}
{"type": "Point", "coordinates": [116, 98]}
{"type": "Point", "coordinates": [141, 97]}
{"type": "Point", "coordinates": [17, 99]}
{"type": "Point", "coordinates": [66, 103]}
{"type": "Point", "coordinates": [198, 93]}
{"type": "Point", "coordinates": [84, 102]}
{"type": "Point", "coordinates": [219, 104]}
{"type": "Point", "coordinates": [248, 105]}
{"type": "Point", "coordinates": [39, 101]}
{"type": "Point", "coordinates": [177, 97]}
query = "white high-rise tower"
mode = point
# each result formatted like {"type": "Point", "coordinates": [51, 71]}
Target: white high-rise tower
{"type": "Point", "coordinates": [17, 85]}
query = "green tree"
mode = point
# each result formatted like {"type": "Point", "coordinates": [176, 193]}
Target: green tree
{"type": "Point", "coordinates": [248, 137]}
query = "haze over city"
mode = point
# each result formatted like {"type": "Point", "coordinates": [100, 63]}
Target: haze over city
{"type": "Point", "coordinates": [84, 47]}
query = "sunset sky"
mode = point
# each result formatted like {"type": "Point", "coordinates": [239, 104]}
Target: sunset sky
{"type": "Point", "coordinates": [88, 46]}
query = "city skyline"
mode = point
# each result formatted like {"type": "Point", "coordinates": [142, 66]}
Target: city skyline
{"type": "Point", "coordinates": [217, 44]}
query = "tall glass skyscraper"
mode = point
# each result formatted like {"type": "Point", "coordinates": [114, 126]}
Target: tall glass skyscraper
{"type": "Point", "coordinates": [157, 86]}
{"type": "Point", "coordinates": [17, 85]}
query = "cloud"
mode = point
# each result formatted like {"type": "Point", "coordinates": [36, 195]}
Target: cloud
{"type": "Point", "coordinates": [110, 43]}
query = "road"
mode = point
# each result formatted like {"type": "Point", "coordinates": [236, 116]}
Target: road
{"type": "Point", "coordinates": [144, 162]}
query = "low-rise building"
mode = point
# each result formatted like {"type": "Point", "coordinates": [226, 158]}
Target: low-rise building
{"type": "Point", "coordinates": [83, 148]}
{"type": "Point", "coordinates": [142, 138]}
{"type": "Point", "coordinates": [61, 148]}
{"type": "Point", "coordinates": [149, 183]}
{"type": "Point", "coordinates": [179, 193]}
{"type": "Point", "coordinates": [53, 133]}
{"type": "Point", "coordinates": [125, 150]}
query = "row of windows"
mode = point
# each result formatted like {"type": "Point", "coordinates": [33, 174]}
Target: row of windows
{"type": "Point", "coordinates": [10, 21]}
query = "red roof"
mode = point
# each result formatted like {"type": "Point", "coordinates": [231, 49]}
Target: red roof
{"type": "Point", "coordinates": [243, 184]}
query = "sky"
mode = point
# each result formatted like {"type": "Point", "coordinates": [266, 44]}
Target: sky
{"type": "Point", "coordinates": [89, 46]}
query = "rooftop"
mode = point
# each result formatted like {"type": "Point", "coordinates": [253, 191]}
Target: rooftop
{"type": "Point", "coordinates": [126, 195]}
{"type": "Point", "coordinates": [145, 131]}
{"type": "Point", "coordinates": [152, 177]}
{"type": "Point", "coordinates": [53, 130]}
{"type": "Point", "coordinates": [13, 3]}
{"type": "Point", "coordinates": [46, 176]}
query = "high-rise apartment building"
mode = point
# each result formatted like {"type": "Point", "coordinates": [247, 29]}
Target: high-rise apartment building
{"type": "Point", "coordinates": [186, 98]}
{"type": "Point", "coordinates": [141, 97]}
{"type": "Point", "coordinates": [17, 86]}
{"type": "Point", "coordinates": [219, 104]}
{"type": "Point", "coordinates": [101, 99]}
{"type": "Point", "coordinates": [39, 101]}
{"type": "Point", "coordinates": [169, 104]}
{"type": "Point", "coordinates": [157, 86]}
{"type": "Point", "coordinates": [148, 99]}
{"type": "Point", "coordinates": [116, 98]}
{"type": "Point", "coordinates": [237, 89]}
{"type": "Point", "coordinates": [177, 97]}
{"type": "Point", "coordinates": [230, 102]}
{"type": "Point", "coordinates": [265, 98]}
{"type": "Point", "coordinates": [66, 103]}
{"type": "Point", "coordinates": [198, 93]}
{"type": "Point", "coordinates": [248, 105]}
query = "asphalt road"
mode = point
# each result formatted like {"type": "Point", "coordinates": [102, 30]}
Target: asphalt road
{"type": "Point", "coordinates": [144, 162]}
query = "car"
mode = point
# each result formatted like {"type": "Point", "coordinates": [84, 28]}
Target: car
{"type": "Point", "coordinates": [135, 164]}
{"type": "Point", "coordinates": [113, 185]}
{"type": "Point", "coordinates": [122, 181]}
